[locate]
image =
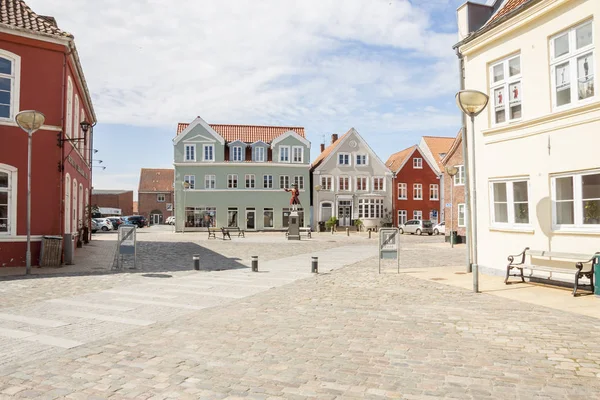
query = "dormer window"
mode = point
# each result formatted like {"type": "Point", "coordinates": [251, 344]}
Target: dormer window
{"type": "Point", "coordinates": [208, 153]}
{"type": "Point", "coordinates": [284, 154]}
{"type": "Point", "coordinates": [190, 152]}
{"type": "Point", "coordinates": [361, 159]}
{"type": "Point", "coordinates": [237, 153]}
{"type": "Point", "coordinates": [417, 163]}
{"type": "Point", "coordinates": [259, 154]}
{"type": "Point", "coordinates": [297, 154]}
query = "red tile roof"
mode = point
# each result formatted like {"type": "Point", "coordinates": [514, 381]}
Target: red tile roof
{"type": "Point", "coordinates": [18, 14]}
{"type": "Point", "coordinates": [509, 6]}
{"type": "Point", "coordinates": [327, 151]}
{"type": "Point", "coordinates": [438, 145]}
{"type": "Point", "coordinates": [248, 133]}
{"type": "Point", "coordinates": [156, 180]}
{"type": "Point", "coordinates": [397, 159]}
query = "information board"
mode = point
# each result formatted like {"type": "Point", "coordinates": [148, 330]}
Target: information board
{"type": "Point", "coordinates": [127, 244]}
{"type": "Point", "coordinates": [389, 245]}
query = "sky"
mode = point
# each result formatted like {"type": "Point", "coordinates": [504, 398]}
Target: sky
{"type": "Point", "coordinates": [386, 68]}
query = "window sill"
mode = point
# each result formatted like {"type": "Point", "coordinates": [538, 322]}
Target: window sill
{"type": "Point", "coordinates": [403, 198]}
{"type": "Point", "coordinates": [525, 229]}
{"type": "Point", "coordinates": [576, 231]}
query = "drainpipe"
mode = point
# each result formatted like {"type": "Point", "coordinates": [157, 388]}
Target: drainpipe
{"type": "Point", "coordinates": [61, 203]}
{"type": "Point", "coordinates": [465, 147]}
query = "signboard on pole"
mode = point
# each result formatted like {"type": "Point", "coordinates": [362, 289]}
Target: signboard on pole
{"type": "Point", "coordinates": [389, 245]}
{"type": "Point", "coordinates": [127, 243]}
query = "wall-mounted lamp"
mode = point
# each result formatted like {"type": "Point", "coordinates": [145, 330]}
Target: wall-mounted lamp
{"type": "Point", "coordinates": [85, 126]}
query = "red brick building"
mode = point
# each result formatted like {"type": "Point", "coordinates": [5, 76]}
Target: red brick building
{"type": "Point", "coordinates": [455, 215]}
{"type": "Point", "coordinates": [155, 194]}
{"type": "Point", "coordinates": [116, 199]}
{"type": "Point", "coordinates": [415, 185]}
{"type": "Point", "coordinates": [40, 70]}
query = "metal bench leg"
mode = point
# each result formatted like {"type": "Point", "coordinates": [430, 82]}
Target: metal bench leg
{"type": "Point", "coordinates": [522, 277]}
{"type": "Point", "coordinates": [508, 268]}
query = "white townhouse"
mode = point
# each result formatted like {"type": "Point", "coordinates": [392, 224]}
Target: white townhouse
{"type": "Point", "coordinates": [537, 144]}
{"type": "Point", "coordinates": [352, 182]}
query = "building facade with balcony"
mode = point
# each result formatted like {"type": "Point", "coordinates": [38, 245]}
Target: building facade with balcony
{"type": "Point", "coordinates": [354, 184]}
{"type": "Point", "coordinates": [235, 176]}
{"type": "Point", "coordinates": [533, 154]}
{"type": "Point", "coordinates": [40, 70]}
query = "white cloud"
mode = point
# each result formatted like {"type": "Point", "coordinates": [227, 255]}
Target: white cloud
{"type": "Point", "coordinates": [158, 62]}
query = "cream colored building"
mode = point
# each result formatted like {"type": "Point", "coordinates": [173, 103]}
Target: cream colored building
{"type": "Point", "coordinates": [537, 144]}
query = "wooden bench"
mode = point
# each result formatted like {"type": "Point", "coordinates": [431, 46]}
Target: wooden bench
{"type": "Point", "coordinates": [303, 232]}
{"type": "Point", "coordinates": [213, 231]}
{"type": "Point", "coordinates": [233, 229]}
{"type": "Point", "coordinates": [580, 260]}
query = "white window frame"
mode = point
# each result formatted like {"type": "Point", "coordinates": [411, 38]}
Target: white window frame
{"type": "Point", "coordinates": [327, 183]}
{"type": "Point", "coordinates": [239, 156]}
{"type": "Point", "coordinates": [191, 180]}
{"type": "Point", "coordinates": [185, 152]}
{"type": "Point", "coordinates": [259, 154]}
{"type": "Point", "coordinates": [285, 153]}
{"type": "Point", "coordinates": [402, 213]}
{"type": "Point", "coordinates": [418, 214]}
{"type": "Point", "coordinates": [11, 196]}
{"type": "Point", "coordinates": [210, 181]}
{"type": "Point", "coordinates": [212, 152]}
{"type": "Point", "coordinates": [459, 178]}
{"type": "Point", "coordinates": [284, 181]}
{"type": "Point", "coordinates": [347, 178]}
{"type": "Point", "coordinates": [232, 181]}
{"type": "Point", "coordinates": [402, 188]}
{"type": "Point", "coordinates": [267, 181]}
{"type": "Point", "coordinates": [80, 218]}
{"type": "Point", "coordinates": [365, 183]}
{"type": "Point", "coordinates": [434, 189]}
{"type": "Point", "coordinates": [74, 191]}
{"type": "Point", "coordinates": [417, 188]}
{"type": "Point", "coordinates": [578, 211]}
{"type": "Point", "coordinates": [370, 208]}
{"type": "Point", "coordinates": [417, 163]}
{"type": "Point", "coordinates": [381, 187]}
{"type": "Point", "coordinates": [503, 86]}
{"type": "Point", "coordinates": [300, 151]}
{"type": "Point", "coordinates": [460, 209]}
{"type": "Point", "coordinates": [83, 143]}
{"type": "Point", "coordinates": [15, 84]}
{"type": "Point", "coordinates": [161, 197]}
{"type": "Point", "coordinates": [250, 178]}
{"type": "Point", "coordinates": [366, 159]}
{"type": "Point", "coordinates": [346, 156]}
{"type": "Point", "coordinates": [272, 211]}
{"type": "Point", "coordinates": [510, 204]}
{"type": "Point", "coordinates": [299, 180]}
{"type": "Point", "coordinates": [571, 58]}
{"type": "Point", "coordinates": [67, 205]}
{"type": "Point", "coordinates": [76, 127]}
{"type": "Point", "coordinates": [69, 117]}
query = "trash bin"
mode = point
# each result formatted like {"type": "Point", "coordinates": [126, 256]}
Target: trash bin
{"type": "Point", "coordinates": [453, 237]}
{"type": "Point", "coordinates": [51, 251]}
{"type": "Point", "coordinates": [321, 226]}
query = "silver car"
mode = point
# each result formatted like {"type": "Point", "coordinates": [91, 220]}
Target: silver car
{"type": "Point", "coordinates": [417, 227]}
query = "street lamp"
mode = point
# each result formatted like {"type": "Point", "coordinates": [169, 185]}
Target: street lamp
{"type": "Point", "coordinates": [30, 121]}
{"type": "Point", "coordinates": [186, 186]}
{"type": "Point", "coordinates": [451, 171]}
{"type": "Point", "coordinates": [318, 189]}
{"type": "Point", "coordinates": [471, 103]}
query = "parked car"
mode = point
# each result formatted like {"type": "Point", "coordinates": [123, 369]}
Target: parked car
{"type": "Point", "coordinates": [440, 229]}
{"type": "Point", "coordinates": [116, 221]}
{"type": "Point", "coordinates": [95, 226]}
{"type": "Point", "coordinates": [417, 227]}
{"type": "Point", "coordinates": [170, 220]}
{"type": "Point", "coordinates": [104, 224]}
{"type": "Point", "coordinates": [138, 220]}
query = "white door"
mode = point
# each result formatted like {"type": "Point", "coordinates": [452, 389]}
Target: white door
{"type": "Point", "coordinates": [344, 212]}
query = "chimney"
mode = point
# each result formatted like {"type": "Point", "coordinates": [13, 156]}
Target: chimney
{"type": "Point", "coordinates": [334, 138]}
{"type": "Point", "coordinates": [322, 147]}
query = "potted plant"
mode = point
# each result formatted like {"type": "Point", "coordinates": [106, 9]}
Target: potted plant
{"type": "Point", "coordinates": [331, 222]}
{"type": "Point", "coordinates": [358, 224]}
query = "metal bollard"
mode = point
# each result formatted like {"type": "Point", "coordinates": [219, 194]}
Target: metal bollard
{"type": "Point", "coordinates": [315, 265]}
{"type": "Point", "coordinates": [332, 230]}
{"type": "Point", "coordinates": [254, 263]}
{"type": "Point", "coordinates": [347, 231]}
{"type": "Point", "coordinates": [369, 234]}
{"type": "Point", "coordinates": [196, 259]}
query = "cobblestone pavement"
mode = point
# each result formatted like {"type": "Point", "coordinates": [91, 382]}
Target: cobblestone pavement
{"type": "Point", "coordinates": [346, 333]}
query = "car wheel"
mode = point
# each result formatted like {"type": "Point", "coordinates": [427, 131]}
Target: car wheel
{"type": "Point", "coordinates": [430, 233]}
{"type": "Point", "coordinates": [418, 232]}
{"type": "Point", "coordinates": [401, 231]}
{"type": "Point", "coordinates": [105, 229]}
{"type": "Point", "coordinates": [93, 231]}
{"type": "Point", "coordinates": [436, 231]}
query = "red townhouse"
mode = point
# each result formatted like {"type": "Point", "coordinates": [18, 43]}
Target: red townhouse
{"type": "Point", "coordinates": [40, 70]}
{"type": "Point", "coordinates": [416, 186]}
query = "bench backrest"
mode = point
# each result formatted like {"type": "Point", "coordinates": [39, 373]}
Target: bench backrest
{"type": "Point", "coordinates": [562, 256]}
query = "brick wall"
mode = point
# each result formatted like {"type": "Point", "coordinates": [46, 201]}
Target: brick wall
{"type": "Point", "coordinates": [459, 194]}
{"type": "Point", "coordinates": [124, 201]}
{"type": "Point", "coordinates": [148, 202]}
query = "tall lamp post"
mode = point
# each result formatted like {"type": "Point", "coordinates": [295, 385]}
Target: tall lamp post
{"type": "Point", "coordinates": [471, 103]}
{"type": "Point", "coordinates": [186, 186]}
{"type": "Point", "coordinates": [317, 189]}
{"type": "Point", "coordinates": [30, 121]}
{"type": "Point", "coordinates": [451, 171]}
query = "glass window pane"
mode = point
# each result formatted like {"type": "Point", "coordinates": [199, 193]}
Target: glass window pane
{"type": "Point", "coordinates": [590, 186]}
{"type": "Point", "coordinates": [591, 212]}
{"type": "Point", "coordinates": [561, 45]}
{"type": "Point", "coordinates": [563, 86]}
{"type": "Point", "coordinates": [520, 191]}
{"type": "Point", "coordinates": [584, 35]}
{"type": "Point", "coordinates": [500, 212]}
{"type": "Point", "coordinates": [585, 76]}
{"type": "Point", "coordinates": [5, 84]}
{"type": "Point", "coordinates": [565, 212]}
{"type": "Point", "coordinates": [5, 66]}
{"type": "Point", "coordinates": [3, 180]}
{"type": "Point", "coordinates": [500, 192]}
{"type": "Point", "coordinates": [498, 72]}
{"type": "Point", "coordinates": [3, 198]}
{"type": "Point", "coordinates": [564, 188]}
{"type": "Point", "coordinates": [522, 213]}
{"type": "Point", "coordinates": [4, 111]}
{"type": "Point", "coordinates": [514, 66]}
